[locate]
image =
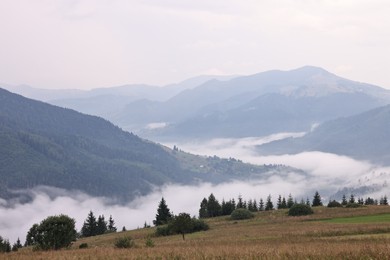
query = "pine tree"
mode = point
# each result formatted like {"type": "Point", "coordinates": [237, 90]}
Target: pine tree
{"type": "Point", "coordinates": [284, 203]}
{"type": "Point", "coordinates": [90, 226]}
{"type": "Point", "coordinates": [352, 199]}
{"type": "Point", "coordinates": [307, 201]}
{"type": "Point", "coordinates": [279, 202]}
{"type": "Point", "coordinates": [240, 203]}
{"type": "Point", "coordinates": [250, 205]}
{"type": "Point", "coordinates": [111, 225]}
{"type": "Point", "coordinates": [344, 200]}
{"type": "Point", "coordinates": [163, 214]}
{"type": "Point", "coordinates": [290, 201]}
{"type": "Point", "coordinates": [213, 207]}
{"type": "Point", "coordinates": [269, 205]}
{"type": "Point", "coordinates": [17, 245]}
{"type": "Point", "coordinates": [228, 207]}
{"type": "Point", "coordinates": [385, 202]}
{"type": "Point", "coordinates": [255, 208]}
{"type": "Point", "coordinates": [317, 200]}
{"type": "Point", "coordinates": [5, 246]}
{"type": "Point", "coordinates": [101, 225]}
{"type": "Point", "coordinates": [203, 209]}
{"type": "Point", "coordinates": [261, 205]}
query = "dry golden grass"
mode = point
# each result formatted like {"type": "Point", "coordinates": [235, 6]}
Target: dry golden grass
{"type": "Point", "coordinates": [270, 235]}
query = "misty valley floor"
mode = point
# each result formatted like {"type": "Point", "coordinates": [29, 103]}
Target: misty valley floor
{"type": "Point", "coordinates": [331, 233]}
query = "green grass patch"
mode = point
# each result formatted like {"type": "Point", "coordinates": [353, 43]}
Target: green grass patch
{"type": "Point", "coordinates": [360, 219]}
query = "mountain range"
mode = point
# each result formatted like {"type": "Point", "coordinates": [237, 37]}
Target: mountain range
{"type": "Point", "coordinates": [218, 107]}
{"type": "Point", "coordinates": [45, 145]}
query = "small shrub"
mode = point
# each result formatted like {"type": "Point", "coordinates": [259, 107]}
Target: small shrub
{"type": "Point", "coordinates": [199, 225]}
{"type": "Point", "coordinates": [83, 245]}
{"type": "Point", "coordinates": [124, 242]}
{"type": "Point", "coordinates": [334, 204]}
{"type": "Point", "coordinates": [352, 205]}
{"type": "Point", "coordinates": [241, 213]}
{"type": "Point", "coordinates": [300, 210]}
{"type": "Point", "coordinates": [163, 231]}
{"type": "Point", "coordinates": [149, 242]}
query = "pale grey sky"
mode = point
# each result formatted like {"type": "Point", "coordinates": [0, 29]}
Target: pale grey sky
{"type": "Point", "coordinates": [101, 43]}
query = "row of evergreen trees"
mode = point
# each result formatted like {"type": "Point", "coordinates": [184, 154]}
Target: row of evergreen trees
{"type": "Point", "coordinates": [361, 201]}
{"type": "Point", "coordinates": [93, 227]}
{"type": "Point", "coordinates": [210, 207]}
{"type": "Point", "coordinates": [5, 245]}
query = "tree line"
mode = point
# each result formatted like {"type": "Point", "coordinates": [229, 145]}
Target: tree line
{"type": "Point", "coordinates": [211, 207]}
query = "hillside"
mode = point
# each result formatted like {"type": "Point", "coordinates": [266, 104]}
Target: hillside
{"type": "Point", "coordinates": [364, 136]}
{"type": "Point", "coordinates": [330, 233]}
{"type": "Point", "coordinates": [254, 105]}
{"type": "Point", "coordinates": [41, 144]}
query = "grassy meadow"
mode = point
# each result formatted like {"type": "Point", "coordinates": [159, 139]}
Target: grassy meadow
{"type": "Point", "coordinates": [330, 233]}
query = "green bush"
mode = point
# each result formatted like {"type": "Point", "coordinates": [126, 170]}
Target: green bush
{"type": "Point", "coordinates": [300, 210]}
{"type": "Point", "coordinates": [199, 225]}
{"type": "Point", "coordinates": [352, 205]}
{"type": "Point", "coordinates": [334, 204]}
{"type": "Point", "coordinates": [83, 245]}
{"type": "Point", "coordinates": [164, 230]}
{"type": "Point", "coordinates": [124, 242]}
{"type": "Point", "coordinates": [241, 213]}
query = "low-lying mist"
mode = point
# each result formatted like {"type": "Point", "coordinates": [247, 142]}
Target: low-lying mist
{"type": "Point", "coordinates": [15, 221]}
{"type": "Point", "coordinates": [327, 173]}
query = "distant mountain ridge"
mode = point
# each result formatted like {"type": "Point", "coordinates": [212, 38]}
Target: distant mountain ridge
{"type": "Point", "coordinates": [41, 144]}
{"type": "Point", "coordinates": [365, 136]}
{"type": "Point", "coordinates": [255, 105]}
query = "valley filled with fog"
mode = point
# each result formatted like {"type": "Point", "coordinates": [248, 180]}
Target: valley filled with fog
{"type": "Point", "coordinates": [325, 172]}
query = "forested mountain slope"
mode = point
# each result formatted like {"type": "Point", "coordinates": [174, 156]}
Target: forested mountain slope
{"type": "Point", "coordinates": [41, 144]}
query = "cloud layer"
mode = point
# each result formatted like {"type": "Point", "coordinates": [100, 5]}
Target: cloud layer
{"type": "Point", "coordinates": [89, 44]}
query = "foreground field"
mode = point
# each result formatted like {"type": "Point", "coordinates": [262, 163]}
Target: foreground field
{"type": "Point", "coordinates": [331, 233]}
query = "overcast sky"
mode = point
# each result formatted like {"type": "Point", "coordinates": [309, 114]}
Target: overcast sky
{"type": "Point", "coordinates": [101, 43]}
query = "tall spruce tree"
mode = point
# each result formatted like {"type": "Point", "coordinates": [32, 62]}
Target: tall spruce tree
{"type": "Point", "coordinates": [101, 225]}
{"type": "Point", "coordinates": [163, 214]}
{"type": "Point", "coordinates": [284, 203]}
{"type": "Point", "coordinates": [290, 201]}
{"type": "Point", "coordinates": [261, 205]}
{"type": "Point", "coordinates": [317, 200]}
{"type": "Point", "coordinates": [269, 205]}
{"type": "Point", "coordinates": [279, 202]}
{"type": "Point", "coordinates": [111, 225]}
{"type": "Point", "coordinates": [352, 199]}
{"type": "Point", "coordinates": [344, 200]}
{"type": "Point", "coordinates": [213, 207]}
{"type": "Point", "coordinates": [255, 207]}
{"type": "Point", "coordinates": [228, 208]}
{"type": "Point", "coordinates": [89, 227]}
{"type": "Point", "coordinates": [203, 209]}
{"type": "Point", "coordinates": [240, 202]}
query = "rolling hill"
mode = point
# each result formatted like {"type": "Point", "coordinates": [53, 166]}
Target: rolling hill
{"type": "Point", "coordinates": [41, 144]}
